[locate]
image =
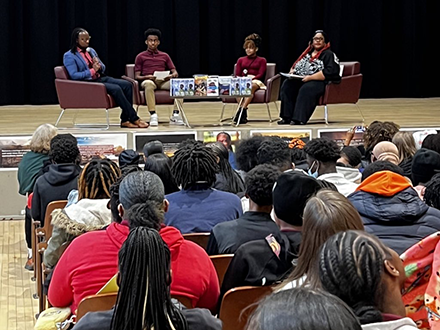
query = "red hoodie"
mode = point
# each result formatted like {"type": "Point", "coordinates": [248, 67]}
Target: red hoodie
{"type": "Point", "coordinates": [92, 259]}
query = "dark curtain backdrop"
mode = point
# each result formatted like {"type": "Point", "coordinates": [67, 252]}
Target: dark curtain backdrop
{"type": "Point", "coordinates": [394, 40]}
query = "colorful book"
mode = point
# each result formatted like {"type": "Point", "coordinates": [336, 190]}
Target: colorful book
{"type": "Point", "coordinates": [224, 85]}
{"type": "Point", "coordinates": [212, 86]}
{"type": "Point", "coordinates": [200, 85]}
{"type": "Point", "coordinates": [235, 86]}
{"type": "Point", "coordinates": [245, 86]}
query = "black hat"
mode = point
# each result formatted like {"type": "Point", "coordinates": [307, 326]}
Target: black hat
{"type": "Point", "coordinates": [152, 147]}
{"type": "Point", "coordinates": [425, 164]}
{"type": "Point", "coordinates": [128, 157]}
{"type": "Point", "coordinates": [290, 194]}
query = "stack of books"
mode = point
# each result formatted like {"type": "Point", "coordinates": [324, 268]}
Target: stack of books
{"type": "Point", "coordinates": [205, 85]}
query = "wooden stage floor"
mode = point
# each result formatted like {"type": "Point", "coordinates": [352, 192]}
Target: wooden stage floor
{"type": "Point", "coordinates": [17, 307]}
{"type": "Point", "coordinates": [23, 120]}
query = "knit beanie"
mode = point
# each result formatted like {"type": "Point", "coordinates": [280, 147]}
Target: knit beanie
{"type": "Point", "coordinates": [425, 164]}
{"type": "Point", "coordinates": [290, 194]}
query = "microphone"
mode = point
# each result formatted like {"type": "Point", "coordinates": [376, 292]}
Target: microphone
{"type": "Point", "coordinates": [89, 50]}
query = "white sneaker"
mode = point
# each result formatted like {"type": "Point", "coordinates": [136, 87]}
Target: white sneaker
{"type": "Point", "coordinates": [154, 121]}
{"type": "Point", "coordinates": [176, 119]}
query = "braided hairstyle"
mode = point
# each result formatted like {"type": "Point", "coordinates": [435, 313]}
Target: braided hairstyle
{"type": "Point", "coordinates": [74, 38]}
{"type": "Point", "coordinates": [275, 151]}
{"type": "Point", "coordinates": [142, 197]}
{"type": "Point", "coordinates": [323, 150]}
{"type": "Point", "coordinates": [351, 265]}
{"type": "Point", "coordinates": [96, 178]}
{"type": "Point", "coordinates": [234, 182]}
{"type": "Point", "coordinates": [432, 192]}
{"type": "Point", "coordinates": [144, 300]}
{"type": "Point", "coordinates": [246, 152]}
{"type": "Point", "coordinates": [194, 163]}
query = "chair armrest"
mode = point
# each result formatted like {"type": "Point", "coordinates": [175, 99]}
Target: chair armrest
{"type": "Point", "coordinates": [273, 88]}
{"type": "Point", "coordinates": [136, 92]}
{"type": "Point", "coordinates": [347, 91]}
{"type": "Point", "coordinates": [81, 95]}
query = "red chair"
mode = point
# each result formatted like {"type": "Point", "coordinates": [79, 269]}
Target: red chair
{"type": "Point", "coordinates": [162, 96]}
{"type": "Point", "coordinates": [269, 95]}
{"type": "Point", "coordinates": [79, 95]}
{"type": "Point", "coordinates": [347, 91]}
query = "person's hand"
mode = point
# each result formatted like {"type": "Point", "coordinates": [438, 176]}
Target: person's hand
{"type": "Point", "coordinates": [150, 77]}
{"type": "Point", "coordinates": [168, 77]}
{"type": "Point", "coordinates": [306, 78]}
{"type": "Point", "coordinates": [349, 136]}
{"type": "Point", "coordinates": [96, 66]}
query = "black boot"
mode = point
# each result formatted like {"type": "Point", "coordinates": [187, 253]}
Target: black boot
{"type": "Point", "coordinates": [243, 119]}
{"type": "Point", "coordinates": [237, 115]}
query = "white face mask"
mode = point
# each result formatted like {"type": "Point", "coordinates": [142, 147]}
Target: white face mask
{"type": "Point", "coordinates": [313, 174]}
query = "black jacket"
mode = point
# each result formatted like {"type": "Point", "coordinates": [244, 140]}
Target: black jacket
{"type": "Point", "coordinates": [53, 185]}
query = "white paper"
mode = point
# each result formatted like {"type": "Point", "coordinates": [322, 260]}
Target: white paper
{"type": "Point", "coordinates": [291, 76]}
{"type": "Point", "coordinates": [161, 75]}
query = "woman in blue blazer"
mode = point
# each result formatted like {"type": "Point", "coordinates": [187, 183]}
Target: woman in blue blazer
{"type": "Point", "coordinates": [83, 63]}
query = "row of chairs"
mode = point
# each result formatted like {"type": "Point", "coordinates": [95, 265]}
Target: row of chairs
{"type": "Point", "coordinates": [88, 95]}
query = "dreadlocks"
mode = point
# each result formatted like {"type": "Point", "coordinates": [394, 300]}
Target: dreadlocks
{"type": "Point", "coordinates": [194, 163]}
{"type": "Point", "coordinates": [144, 300]}
{"type": "Point", "coordinates": [96, 178]}
{"type": "Point", "coordinates": [351, 265]}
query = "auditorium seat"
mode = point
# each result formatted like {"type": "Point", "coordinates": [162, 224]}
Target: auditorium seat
{"type": "Point", "coordinates": [200, 239]}
{"type": "Point", "coordinates": [80, 95]}
{"type": "Point", "coordinates": [221, 263]}
{"type": "Point", "coordinates": [347, 91]}
{"type": "Point", "coordinates": [267, 96]}
{"type": "Point", "coordinates": [96, 303]}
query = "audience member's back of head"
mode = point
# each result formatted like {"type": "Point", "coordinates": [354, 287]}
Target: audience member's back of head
{"type": "Point", "coordinates": [302, 309]}
{"type": "Point", "coordinates": [323, 150]}
{"type": "Point", "coordinates": [246, 153]}
{"type": "Point", "coordinates": [40, 141]}
{"type": "Point", "coordinates": [128, 157]}
{"type": "Point", "coordinates": [193, 164]}
{"type": "Point", "coordinates": [379, 131]}
{"type": "Point", "coordinates": [432, 142]}
{"type": "Point", "coordinates": [152, 147]}
{"type": "Point", "coordinates": [96, 179]}
{"type": "Point", "coordinates": [160, 164]}
{"type": "Point", "coordinates": [275, 151]}
{"type": "Point", "coordinates": [351, 157]}
{"type": "Point", "coordinates": [406, 145]}
{"type": "Point", "coordinates": [259, 183]}
{"type": "Point", "coordinates": [432, 192]}
{"type": "Point", "coordinates": [386, 150]}
{"type": "Point", "coordinates": [352, 266]}
{"type": "Point", "coordinates": [381, 165]}
{"type": "Point", "coordinates": [64, 149]}
{"type": "Point", "coordinates": [425, 164]}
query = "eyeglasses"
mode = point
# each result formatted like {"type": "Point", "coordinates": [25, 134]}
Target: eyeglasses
{"type": "Point", "coordinates": [318, 39]}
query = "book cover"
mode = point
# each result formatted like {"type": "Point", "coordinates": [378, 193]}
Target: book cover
{"type": "Point", "coordinates": [212, 86]}
{"type": "Point", "coordinates": [181, 91]}
{"type": "Point", "coordinates": [245, 86]}
{"type": "Point", "coordinates": [174, 88]}
{"type": "Point", "coordinates": [224, 85]}
{"type": "Point", "coordinates": [235, 86]}
{"type": "Point", "coordinates": [190, 89]}
{"type": "Point", "coordinates": [200, 85]}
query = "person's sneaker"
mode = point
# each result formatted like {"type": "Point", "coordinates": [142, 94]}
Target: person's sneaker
{"type": "Point", "coordinates": [29, 264]}
{"type": "Point", "coordinates": [154, 121]}
{"type": "Point", "coordinates": [176, 119]}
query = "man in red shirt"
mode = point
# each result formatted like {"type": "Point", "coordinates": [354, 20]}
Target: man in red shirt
{"type": "Point", "coordinates": [146, 64]}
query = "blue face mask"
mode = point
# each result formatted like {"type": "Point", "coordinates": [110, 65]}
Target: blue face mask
{"type": "Point", "coordinates": [313, 174]}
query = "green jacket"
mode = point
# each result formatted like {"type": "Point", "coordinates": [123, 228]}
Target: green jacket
{"type": "Point", "coordinates": [28, 171]}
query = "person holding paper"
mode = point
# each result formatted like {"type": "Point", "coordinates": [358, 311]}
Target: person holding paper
{"type": "Point", "coordinates": [317, 66]}
{"type": "Point", "coordinates": [252, 66]}
{"type": "Point", "coordinates": [154, 69]}
{"type": "Point", "coordinates": [82, 63]}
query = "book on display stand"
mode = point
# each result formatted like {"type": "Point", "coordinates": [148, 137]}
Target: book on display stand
{"type": "Point", "coordinates": [200, 84]}
{"type": "Point", "coordinates": [212, 86]}
{"type": "Point", "coordinates": [224, 85]}
{"type": "Point", "coordinates": [235, 86]}
{"type": "Point", "coordinates": [245, 86]}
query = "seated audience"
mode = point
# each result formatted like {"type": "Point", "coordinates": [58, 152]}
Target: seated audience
{"type": "Point", "coordinates": [61, 177]}
{"type": "Point", "coordinates": [432, 142]}
{"type": "Point", "coordinates": [297, 154]}
{"type": "Point", "coordinates": [226, 179]}
{"type": "Point", "coordinates": [89, 213]}
{"type": "Point", "coordinates": [406, 145]}
{"type": "Point", "coordinates": [376, 132]}
{"type": "Point", "coordinates": [368, 276]}
{"type": "Point", "coordinates": [226, 139]}
{"type": "Point", "coordinates": [349, 163]}
{"type": "Point", "coordinates": [391, 209]}
{"type": "Point", "coordinates": [275, 151]}
{"type": "Point", "coordinates": [322, 155]}
{"type": "Point", "coordinates": [325, 214]}
{"type": "Point", "coordinates": [301, 309]}
{"type": "Point", "coordinates": [227, 237]}
{"type": "Point", "coordinates": [198, 207]}
{"type": "Point", "coordinates": [151, 148]}
{"type": "Point", "coordinates": [160, 164]}
{"type": "Point", "coordinates": [387, 151]}
{"type": "Point", "coordinates": [144, 300]}
{"type": "Point", "coordinates": [29, 169]}
{"type": "Point", "coordinates": [246, 154]}
{"type": "Point", "coordinates": [82, 271]}
{"type": "Point", "coordinates": [431, 195]}
{"type": "Point", "coordinates": [128, 157]}
{"type": "Point", "coordinates": [425, 164]}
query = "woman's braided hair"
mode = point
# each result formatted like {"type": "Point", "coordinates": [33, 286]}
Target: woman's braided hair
{"type": "Point", "coordinates": [96, 179]}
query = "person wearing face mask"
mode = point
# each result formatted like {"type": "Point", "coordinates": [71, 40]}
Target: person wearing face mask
{"type": "Point", "coordinates": [322, 155]}
{"type": "Point", "coordinates": [317, 66]}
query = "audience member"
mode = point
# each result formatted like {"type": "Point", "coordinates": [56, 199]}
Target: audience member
{"type": "Point", "coordinates": [313, 310]}
{"type": "Point", "coordinates": [91, 212]}
{"type": "Point", "coordinates": [322, 155]}
{"type": "Point", "coordinates": [197, 207]}
{"type": "Point", "coordinates": [356, 267]}
{"type": "Point", "coordinates": [160, 164]}
{"type": "Point", "coordinates": [128, 157]}
{"type": "Point", "coordinates": [432, 142]}
{"type": "Point", "coordinates": [252, 66]}
{"type": "Point", "coordinates": [325, 214]}
{"type": "Point", "coordinates": [227, 237]}
{"type": "Point", "coordinates": [317, 65]}
{"type": "Point", "coordinates": [275, 151]}
{"type": "Point", "coordinates": [146, 64]}
{"type": "Point", "coordinates": [349, 163]}
{"type": "Point", "coordinates": [298, 155]}
{"type": "Point", "coordinates": [29, 169]}
{"type": "Point", "coordinates": [142, 204]}
{"type": "Point", "coordinates": [226, 179]}
{"type": "Point", "coordinates": [431, 194]}
{"type": "Point", "coordinates": [391, 209]}
{"type": "Point", "coordinates": [61, 177]}
{"type": "Point", "coordinates": [151, 148]}
{"type": "Point", "coordinates": [376, 132]}
{"type": "Point", "coordinates": [144, 300]}
{"type": "Point", "coordinates": [82, 63]}
{"type": "Point", "coordinates": [386, 151]}
{"type": "Point", "coordinates": [225, 138]}
{"type": "Point", "coordinates": [246, 154]}
{"type": "Point", "coordinates": [406, 145]}
{"type": "Point", "coordinates": [425, 164]}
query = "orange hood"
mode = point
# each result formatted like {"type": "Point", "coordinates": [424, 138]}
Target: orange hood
{"type": "Point", "coordinates": [384, 183]}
